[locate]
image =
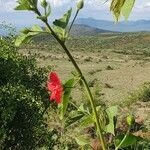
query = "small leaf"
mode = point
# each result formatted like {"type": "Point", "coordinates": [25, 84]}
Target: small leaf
{"type": "Point", "coordinates": [111, 113]}
{"type": "Point", "coordinates": [60, 25]}
{"type": "Point", "coordinates": [63, 22]}
{"type": "Point", "coordinates": [28, 34]}
{"type": "Point", "coordinates": [129, 141]}
{"type": "Point", "coordinates": [74, 118]}
{"type": "Point", "coordinates": [82, 141]}
{"type": "Point", "coordinates": [26, 5]}
{"type": "Point", "coordinates": [67, 91]}
{"type": "Point", "coordinates": [87, 121]}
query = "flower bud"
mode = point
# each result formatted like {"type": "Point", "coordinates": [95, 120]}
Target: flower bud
{"type": "Point", "coordinates": [80, 4]}
{"type": "Point", "coordinates": [130, 120]}
{"type": "Point", "coordinates": [43, 3]}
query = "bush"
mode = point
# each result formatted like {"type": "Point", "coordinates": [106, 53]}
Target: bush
{"type": "Point", "coordinates": [23, 100]}
{"type": "Point", "coordinates": [142, 95]}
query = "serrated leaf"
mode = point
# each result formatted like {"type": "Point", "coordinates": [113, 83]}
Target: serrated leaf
{"type": "Point", "coordinates": [73, 118]}
{"type": "Point", "coordinates": [127, 8]}
{"type": "Point", "coordinates": [63, 22]}
{"type": "Point", "coordinates": [24, 38]}
{"type": "Point", "coordinates": [129, 141]}
{"type": "Point", "coordinates": [60, 25]}
{"type": "Point", "coordinates": [111, 113]}
{"type": "Point", "coordinates": [67, 91]}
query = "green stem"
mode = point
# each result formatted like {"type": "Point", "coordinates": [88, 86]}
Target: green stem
{"type": "Point", "coordinates": [98, 126]}
{"type": "Point", "coordinates": [73, 21]}
{"type": "Point", "coordinates": [123, 140]}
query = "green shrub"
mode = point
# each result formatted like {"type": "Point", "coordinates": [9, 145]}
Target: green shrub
{"type": "Point", "coordinates": [143, 94]}
{"type": "Point", "coordinates": [23, 100]}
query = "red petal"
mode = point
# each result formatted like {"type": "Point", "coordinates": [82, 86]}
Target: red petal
{"type": "Point", "coordinates": [50, 86]}
{"type": "Point", "coordinates": [54, 78]}
{"type": "Point", "coordinates": [55, 87]}
{"type": "Point", "coordinates": [52, 97]}
{"type": "Point", "coordinates": [58, 96]}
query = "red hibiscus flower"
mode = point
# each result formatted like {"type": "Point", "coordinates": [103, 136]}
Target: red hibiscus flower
{"type": "Point", "coordinates": [55, 87]}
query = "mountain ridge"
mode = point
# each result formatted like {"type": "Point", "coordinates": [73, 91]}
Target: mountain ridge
{"type": "Point", "coordinates": [123, 26]}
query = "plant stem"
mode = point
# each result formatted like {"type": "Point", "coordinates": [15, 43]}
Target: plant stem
{"type": "Point", "coordinates": [73, 21]}
{"type": "Point", "coordinates": [125, 137]}
{"type": "Point", "coordinates": [98, 126]}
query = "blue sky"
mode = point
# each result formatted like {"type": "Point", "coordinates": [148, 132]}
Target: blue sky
{"type": "Point", "coordinates": [93, 8]}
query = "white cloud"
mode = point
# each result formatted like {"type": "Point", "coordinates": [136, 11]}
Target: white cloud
{"type": "Point", "coordinates": [59, 3]}
{"type": "Point", "coordinates": [93, 8]}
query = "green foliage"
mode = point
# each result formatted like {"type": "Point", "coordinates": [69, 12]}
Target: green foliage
{"type": "Point", "coordinates": [82, 141]}
{"type": "Point", "coordinates": [112, 114]}
{"type": "Point", "coordinates": [123, 7]}
{"type": "Point", "coordinates": [127, 8]}
{"type": "Point", "coordinates": [23, 100]}
{"type": "Point", "coordinates": [142, 94]}
{"type": "Point", "coordinates": [129, 140]}
{"type": "Point", "coordinates": [66, 96]}
{"type": "Point", "coordinates": [30, 5]}
{"type": "Point", "coordinates": [60, 25]}
{"type": "Point", "coordinates": [28, 34]}
{"type": "Point", "coordinates": [73, 118]}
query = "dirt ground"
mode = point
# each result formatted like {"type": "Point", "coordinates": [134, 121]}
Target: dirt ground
{"type": "Point", "coordinates": [117, 74]}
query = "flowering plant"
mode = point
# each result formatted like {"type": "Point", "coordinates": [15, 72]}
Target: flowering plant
{"type": "Point", "coordinates": [61, 94]}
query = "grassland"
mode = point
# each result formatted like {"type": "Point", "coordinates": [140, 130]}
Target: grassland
{"type": "Point", "coordinates": [119, 63]}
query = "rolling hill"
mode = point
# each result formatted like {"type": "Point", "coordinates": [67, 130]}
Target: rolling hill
{"type": "Point", "coordinates": [84, 30]}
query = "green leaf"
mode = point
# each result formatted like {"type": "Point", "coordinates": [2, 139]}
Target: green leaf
{"type": "Point", "coordinates": [26, 5]}
{"type": "Point", "coordinates": [36, 28]}
{"type": "Point", "coordinates": [121, 6]}
{"type": "Point", "coordinates": [28, 34]}
{"type": "Point", "coordinates": [87, 121]}
{"type": "Point", "coordinates": [116, 6]}
{"type": "Point", "coordinates": [82, 141]}
{"type": "Point", "coordinates": [111, 113]}
{"type": "Point", "coordinates": [23, 38]}
{"type": "Point", "coordinates": [60, 25]}
{"type": "Point", "coordinates": [73, 118]}
{"type": "Point", "coordinates": [129, 141]}
{"type": "Point", "coordinates": [127, 8]}
{"type": "Point", "coordinates": [67, 91]}
{"type": "Point", "coordinates": [63, 22]}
